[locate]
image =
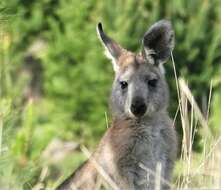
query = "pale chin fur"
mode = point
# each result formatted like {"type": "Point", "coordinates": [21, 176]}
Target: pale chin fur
{"type": "Point", "coordinates": [150, 110]}
{"type": "Point", "coordinates": [130, 114]}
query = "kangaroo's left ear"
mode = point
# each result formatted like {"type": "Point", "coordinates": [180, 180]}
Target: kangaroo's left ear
{"type": "Point", "coordinates": [113, 49]}
{"type": "Point", "coordinates": [158, 41]}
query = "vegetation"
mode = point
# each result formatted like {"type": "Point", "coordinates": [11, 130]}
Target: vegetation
{"type": "Point", "coordinates": [55, 84]}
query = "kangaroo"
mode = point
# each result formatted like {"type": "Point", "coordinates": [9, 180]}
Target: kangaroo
{"type": "Point", "coordinates": [141, 133]}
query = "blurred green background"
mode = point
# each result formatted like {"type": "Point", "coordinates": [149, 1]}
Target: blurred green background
{"type": "Point", "coordinates": [55, 80]}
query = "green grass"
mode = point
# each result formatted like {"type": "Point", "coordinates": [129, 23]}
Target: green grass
{"type": "Point", "coordinates": [25, 135]}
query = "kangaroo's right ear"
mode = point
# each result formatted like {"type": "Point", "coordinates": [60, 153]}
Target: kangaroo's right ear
{"type": "Point", "coordinates": [113, 49]}
{"type": "Point", "coordinates": [158, 41]}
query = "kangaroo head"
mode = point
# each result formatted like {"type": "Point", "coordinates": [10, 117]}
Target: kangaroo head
{"type": "Point", "coordinates": [140, 88]}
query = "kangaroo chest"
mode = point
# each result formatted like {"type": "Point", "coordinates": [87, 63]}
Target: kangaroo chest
{"type": "Point", "coordinates": [147, 146]}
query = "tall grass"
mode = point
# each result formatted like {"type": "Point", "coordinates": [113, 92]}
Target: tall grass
{"type": "Point", "coordinates": [198, 171]}
{"type": "Point", "coordinates": [193, 170]}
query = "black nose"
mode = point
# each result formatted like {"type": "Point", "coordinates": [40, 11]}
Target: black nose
{"type": "Point", "coordinates": [138, 107]}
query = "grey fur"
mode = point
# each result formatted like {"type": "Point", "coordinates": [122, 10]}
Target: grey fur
{"type": "Point", "coordinates": [147, 138]}
{"type": "Point", "coordinates": [160, 39]}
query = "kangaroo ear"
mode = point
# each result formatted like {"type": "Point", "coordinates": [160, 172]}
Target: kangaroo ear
{"type": "Point", "coordinates": [113, 49]}
{"type": "Point", "coordinates": [158, 41]}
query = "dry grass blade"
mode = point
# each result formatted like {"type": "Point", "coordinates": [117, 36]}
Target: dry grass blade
{"type": "Point", "coordinates": [106, 120]}
{"type": "Point", "coordinates": [151, 172]}
{"type": "Point", "coordinates": [209, 100]}
{"type": "Point", "coordinates": [208, 156]}
{"type": "Point", "coordinates": [100, 170]}
{"type": "Point", "coordinates": [184, 88]}
{"type": "Point", "coordinates": [176, 79]}
{"type": "Point", "coordinates": [158, 176]}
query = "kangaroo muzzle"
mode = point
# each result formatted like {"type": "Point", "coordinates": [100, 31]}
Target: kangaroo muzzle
{"type": "Point", "coordinates": [138, 107]}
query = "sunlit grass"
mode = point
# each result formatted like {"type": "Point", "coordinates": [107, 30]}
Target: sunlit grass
{"type": "Point", "coordinates": [192, 171]}
{"type": "Point", "coordinates": [18, 171]}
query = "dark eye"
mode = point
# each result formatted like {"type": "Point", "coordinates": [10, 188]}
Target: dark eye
{"type": "Point", "coordinates": [152, 83]}
{"type": "Point", "coordinates": [123, 84]}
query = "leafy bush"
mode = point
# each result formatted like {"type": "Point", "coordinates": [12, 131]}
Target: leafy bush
{"type": "Point", "coordinates": [74, 75]}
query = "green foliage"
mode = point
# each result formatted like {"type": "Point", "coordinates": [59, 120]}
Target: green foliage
{"type": "Point", "coordinates": [77, 76]}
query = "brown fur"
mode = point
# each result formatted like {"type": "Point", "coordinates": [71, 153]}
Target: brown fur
{"type": "Point", "coordinates": [128, 58]}
{"type": "Point", "coordinates": [109, 152]}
